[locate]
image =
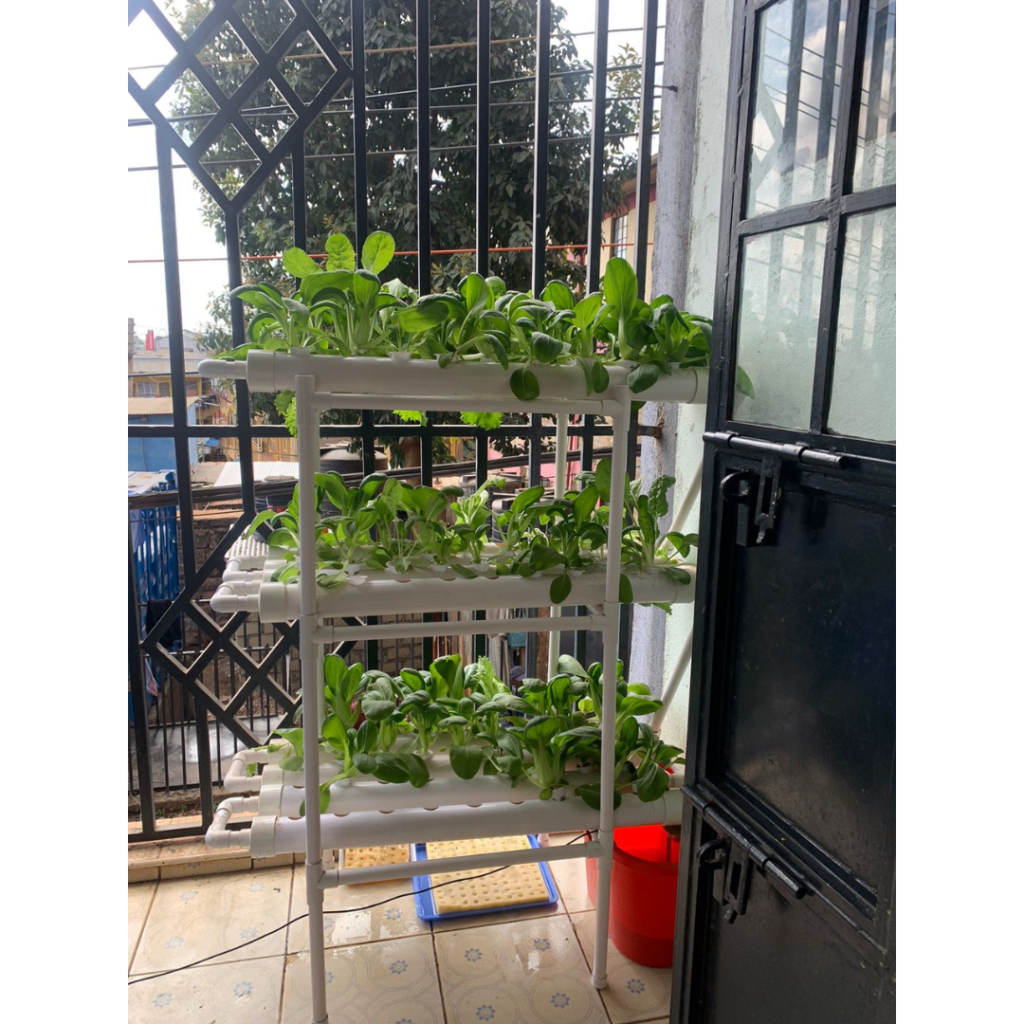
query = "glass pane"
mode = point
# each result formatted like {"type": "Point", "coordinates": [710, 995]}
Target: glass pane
{"type": "Point", "coordinates": [864, 374]}
{"type": "Point", "coordinates": [875, 162]}
{"type": "Point", "coordinates": [780, 292]}
{"type": "Point", "coordinates": [792, 131]}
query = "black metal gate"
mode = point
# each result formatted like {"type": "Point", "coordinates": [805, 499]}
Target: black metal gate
{"type": "Point", "coordinates": [787, 885]}
{"type": "Point", "coordinates": [231, 134]}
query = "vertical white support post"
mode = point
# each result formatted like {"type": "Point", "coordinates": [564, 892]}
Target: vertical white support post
{"type": "Point", "coordinates": [606, 834]}
{"type": "Point", "coordinates": [673, 683]}
{"type": "Point", "coordinates": [561, 461]}
{"type": "Point", "coordinates": [307, 421]}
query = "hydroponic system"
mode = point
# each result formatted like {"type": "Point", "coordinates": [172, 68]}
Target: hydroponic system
{"type": "Point", "coordinates": [450, 752]}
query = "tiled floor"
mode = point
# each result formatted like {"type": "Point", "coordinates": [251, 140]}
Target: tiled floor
{"type": "Point", "coordinates": [384, 966]}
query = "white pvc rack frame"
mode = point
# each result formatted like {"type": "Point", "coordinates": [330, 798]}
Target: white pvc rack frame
{"type": "Point", "coordinates": [329, 382]}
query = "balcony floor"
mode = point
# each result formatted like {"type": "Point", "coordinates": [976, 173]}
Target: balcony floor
{"type": "Point", "coordinates": [385, 966]}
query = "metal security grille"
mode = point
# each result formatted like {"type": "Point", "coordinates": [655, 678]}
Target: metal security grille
{"type": "Point", "coordinates": [235, 676]}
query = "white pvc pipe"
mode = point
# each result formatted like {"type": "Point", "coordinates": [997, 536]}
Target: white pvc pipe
{"type": "Point", "coordinates": [461, 627]}
{"type": "Point", "coordinates": [692, 491]}
{"type": "Point", "coordinates": [467, 862]}
{"type": "Point", "coordinates": [673, 683]}
{"type": "Point", "coordinates": [462, 386]}
{"type": "Point", "coordinates": [226, 602]}
{"type": "Point", "coordinates": [561, 458]}
{"type": "Point", "coordinates": [371, 828]}
{"type": "Point", "coordinates": [592, 407]}
{"type": "Point", "coordinates": [218, 836]}
{"type": "Point", "coordinates": [279, 602]}
{"type": "Point", "coordinates": [367, 794]}
{"type": "Point", "coordinates": [236, 780]}
{"type": "Point", "coordinates": [620, 440]}
{"type": "Point", "coordinates": [308, 435]}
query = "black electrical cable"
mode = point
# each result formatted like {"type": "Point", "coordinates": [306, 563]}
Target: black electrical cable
{"type": "Point", "coordinates": [350, 910]}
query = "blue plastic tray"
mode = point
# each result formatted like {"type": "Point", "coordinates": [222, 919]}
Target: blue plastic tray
{"type": "Point", "coordinates": [427, 911]}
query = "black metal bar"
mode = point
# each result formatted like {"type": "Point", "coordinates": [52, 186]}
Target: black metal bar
{"type": "Point", "coordinates": [204, 756]}
{"type": "Point", "coordinates": [299, 191]}
{"type": "Point", "coordinates": [597, 143]}
{"type": "Point", "coordinates": [720, 387]}
{"type": "Point", "coordinates": [479, 641]}
{"type": "Point", "coordinates": [359, 119]}
{"type": "Point", "coordinates": [440, 108]}
{"type": "Point", "coordinates": [244, 415]}
{"type": "Point", "coordinates": [540, 145]}
{"type": "Point", "coordinates": [643, 184]}
{"type": "Point", "coordinates": [423, 144]}
{"type": "Point", "coordinates": [842, 165]}
{"type": "Point", "coordinates": [366, 433]}
{"type": "Point", "coordinates": [792, 216]}
{"type": "Point", "coordinates": [172, 284]}
{"type": "Point", "coordinates": [871, 199]}
{"type": "Point", "coordinates": [140, 719]}
{"type": "Point", "coordinates": [379, 429]}
{"type": "Point", "coordinates": [483, 133]}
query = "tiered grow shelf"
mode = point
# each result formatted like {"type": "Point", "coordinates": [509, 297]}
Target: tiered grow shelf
{"type": "Point", "coordinates": [363, 811]}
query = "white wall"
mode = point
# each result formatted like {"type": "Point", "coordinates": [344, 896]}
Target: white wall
{"type": "Point", "coordinates": [696, 241]}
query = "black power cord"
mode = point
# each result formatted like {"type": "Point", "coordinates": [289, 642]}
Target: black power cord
{"type": "Point", "coordinates": [350, 910]}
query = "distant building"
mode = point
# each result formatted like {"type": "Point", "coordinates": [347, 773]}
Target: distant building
{"type": "Point", "coordinates": [619, 228]}
{"type": "Point", "coordinates": [156, 454]}
{"type": "Point", "coordinates": [149, 371]}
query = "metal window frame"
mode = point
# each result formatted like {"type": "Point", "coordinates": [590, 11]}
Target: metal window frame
{"type": "Point", "coordinates": [172, 151]}
{"type": "Point", "coordinates": [832, 211]}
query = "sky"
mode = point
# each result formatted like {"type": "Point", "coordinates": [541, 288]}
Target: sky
{"type": "Point", "coordinates": [203, 270]}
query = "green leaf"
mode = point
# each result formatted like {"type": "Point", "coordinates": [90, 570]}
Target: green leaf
{"type": "Point", "coordinates": [525, 498]}
{"type": "Point", "coordinates": [620, 286]}
{"type": "Point", "coordinates": [483, 420]}
{"type": "Point", "coordinates": [376, 710]}
{"type": "Point", "coordinates": [651, 782]}
{"type": "Point", "coordinates": [419, 776]}
{"type": "Point", "coordinates": [378, 250]}
{"type": "Point", "coordinates": [427, 313]}
{"type": "Point", "coordinates": [743, 383]}
{"type": "Point", "coordinates": [642, 377]}
{"type": "Point", "coordinates": [267, 513]}
{"type": "Point", "coordinates": [561, 587]}
{"type": "Point", "coordinates": [559, 295]}
{"type": "Point", "coordinates": [546, 348]}
{"type": "Point", "coordinates": [366, 763]}
{"type": "Point", "coordinates": [524, 385]}
{"type": "Point", "coordinates": [475, 291]}
{"type": "Point", "coordinates": [625, 590]}
{"type": "Point", "coordinates": [590, 794]}
{"type": "Point", "coordinates": [600, 377]}
{"type": "Point", "coordinates": [340, 254]}
{"type": "Point", "coordinates": [586, 310]}
{"type": "Point", "coordinates": [466, 760]}
{"type": "Point", "coordinates": [391, 768]}
{"type": "Point", "coordinates": [585, 504]}
{"type": "Point", "coordinates": [569, 665]}
{"type": "Point", "coordinates": [365, 287]}
{"type": "Point", "coordinates": [603, 479]}
{"type": "Point", "coordinates": [298, 264]}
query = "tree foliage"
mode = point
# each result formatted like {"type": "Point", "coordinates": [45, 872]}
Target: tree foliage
{"type": "Point", "coordinates": [266, 225]}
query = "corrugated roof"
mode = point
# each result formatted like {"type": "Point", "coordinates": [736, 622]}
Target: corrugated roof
{"type": "Point", "coordinates": [155, 406]}
{"type": "Point", "coordinates": [231, 474]}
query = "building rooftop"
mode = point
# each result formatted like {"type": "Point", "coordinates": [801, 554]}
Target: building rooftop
{"type": "Point", "coordinates": [155, 406]}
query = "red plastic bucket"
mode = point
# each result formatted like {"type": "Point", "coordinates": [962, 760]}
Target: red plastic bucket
{"type": "Point", "coordinates": [642, 916]}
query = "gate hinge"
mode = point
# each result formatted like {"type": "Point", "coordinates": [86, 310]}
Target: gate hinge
{"type": "Point", "coordinates": [732, 852]}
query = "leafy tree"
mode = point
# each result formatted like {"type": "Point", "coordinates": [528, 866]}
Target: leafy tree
{"type": "Point", "coordinates": [266, 226]}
